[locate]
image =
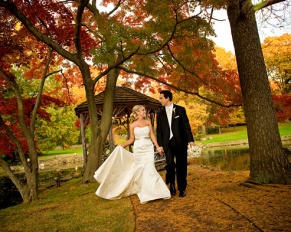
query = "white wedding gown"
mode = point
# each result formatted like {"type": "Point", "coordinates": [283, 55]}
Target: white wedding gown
{"type": "Point", "coordinates": [125, 173]}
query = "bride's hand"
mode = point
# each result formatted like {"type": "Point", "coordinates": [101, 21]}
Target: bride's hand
{"type": "Point", "coordinates": [160, 149]}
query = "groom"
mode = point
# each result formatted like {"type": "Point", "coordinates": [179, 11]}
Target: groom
{"type": "Point", "coordinates": [174, 134]}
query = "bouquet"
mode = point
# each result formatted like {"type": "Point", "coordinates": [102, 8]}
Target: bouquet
{"type": "Point", "coordinates": [194, 151]}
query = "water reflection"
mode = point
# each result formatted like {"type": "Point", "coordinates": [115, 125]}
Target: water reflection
{"type": "Point", "coordinates": [234, 159]}
{"type": "Point", "coordinates": [226, 159]}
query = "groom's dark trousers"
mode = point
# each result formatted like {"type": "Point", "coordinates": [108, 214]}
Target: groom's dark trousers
{"type": "Point", "coordinates": [176, 158]}
{"type": "Point", "coordinates": [175, 148]}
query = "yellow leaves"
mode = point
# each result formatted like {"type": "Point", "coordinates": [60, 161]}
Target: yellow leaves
{"type": "Point", "coordinates": [18, 26]}
{"type": "Point", "coordinates": [196, 110]}
{"type": "Point", "coordinates": [277, 45]}
{"type": "Point", "coordinates": [277, 53]}
{"type": "Point", "coordinates": [225, 59]}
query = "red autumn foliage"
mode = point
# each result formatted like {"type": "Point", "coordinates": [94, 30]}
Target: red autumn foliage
{"type": "Point", "coordinates": [226, 86]}
{"type": "Point", "coordinates": [78, 123]}
{"type": "Point", "coordinates": [6, 145]}
{"type": "Point", "coordinates": [282, 105]}
{"type": "Point", "coordinates": [55, 20]}
{"type": "Point", "coordinates": [9, 113]}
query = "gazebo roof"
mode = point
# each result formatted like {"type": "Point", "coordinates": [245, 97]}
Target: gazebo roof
{"type": "Point", "coordinates": [124, 99]}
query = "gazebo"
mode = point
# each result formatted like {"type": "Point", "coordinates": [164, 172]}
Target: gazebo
{"type": "Point", "coordinates": [124, 100]}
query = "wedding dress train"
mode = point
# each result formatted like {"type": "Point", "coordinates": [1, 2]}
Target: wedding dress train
{"type": "Point", "coordinates": [125, 173]}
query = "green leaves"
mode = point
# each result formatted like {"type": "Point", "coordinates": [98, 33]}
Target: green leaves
{"type": "Point", "coordinates": [59, 131]}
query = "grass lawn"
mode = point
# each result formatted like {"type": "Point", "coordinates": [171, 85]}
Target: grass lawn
{"type": "Point", "coordinates": [240, 133]}
{"type": "Point", "coordinates": [61, 152]}
{"type": "Point", "coordinates": [71, 207]}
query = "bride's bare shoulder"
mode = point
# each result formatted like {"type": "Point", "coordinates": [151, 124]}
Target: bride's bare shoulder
{"type": "Point", "coordinates": [148, 122]}
{"type": "Point", "coordinates": [133, 125]}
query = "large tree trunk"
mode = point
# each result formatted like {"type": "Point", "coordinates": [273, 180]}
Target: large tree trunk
{"type": "Point", "coordinates": [29, 190]}
{"type": "Point", "coordinates": [267, 161]}
{"type": "Point", "coordinates": [100, 131]}
{"type": "Point", "coordinates": [94, 125]}
{"type": "Point", "coordinates": [32, 174]}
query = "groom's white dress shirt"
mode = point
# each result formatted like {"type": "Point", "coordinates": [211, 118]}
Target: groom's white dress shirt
{"type": "Point", "coordinates": [169, 111]}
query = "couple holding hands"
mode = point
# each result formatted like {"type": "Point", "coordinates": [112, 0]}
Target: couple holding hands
{"type": "Point", "coordinates": [125, 173]}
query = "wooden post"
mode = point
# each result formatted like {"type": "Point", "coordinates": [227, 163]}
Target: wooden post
{"type": "Point", "coordinates": [83, 138]}
{"type": "Point", "coordinates": [111, 138]}
{"type": "Point", "coordinates": [128, 132]}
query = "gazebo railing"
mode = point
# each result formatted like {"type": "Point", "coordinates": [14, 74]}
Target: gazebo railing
{"type": "Point", "coordinates": [160, 161]}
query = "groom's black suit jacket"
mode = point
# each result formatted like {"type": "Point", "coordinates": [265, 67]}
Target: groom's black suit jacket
{"type": "Point", "coordinates": [180, 128]}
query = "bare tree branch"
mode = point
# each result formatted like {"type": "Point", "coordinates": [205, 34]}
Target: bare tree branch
{"type": "Point", "coordinates": [40, 90]}
{"type": "Point", "coordinates": [266, 3]}
{"type": "Point", "coordinates": [116, 7]}
{"type": "Point", "coordinates": [78, 26]}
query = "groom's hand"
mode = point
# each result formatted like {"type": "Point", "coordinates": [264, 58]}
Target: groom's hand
{"type": "Point", "coordinates": [191, 144]}
{"type": "Point", "coordinates": [159, 150]}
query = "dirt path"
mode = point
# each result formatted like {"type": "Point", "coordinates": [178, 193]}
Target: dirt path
{"type": "Point", "coordinates": [218, 201]}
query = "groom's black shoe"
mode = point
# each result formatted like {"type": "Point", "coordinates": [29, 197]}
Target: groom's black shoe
{"type": "Point", "coordinates": [182, 194]}
{"type": "Point", "coordinates": [172, 189]}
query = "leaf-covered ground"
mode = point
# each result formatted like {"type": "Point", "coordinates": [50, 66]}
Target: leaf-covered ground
{"type": "Point", "coordinates": [218, 201]}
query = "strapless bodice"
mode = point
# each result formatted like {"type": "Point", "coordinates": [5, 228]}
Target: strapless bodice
{"type": "Point", "coordinates": [142, 132]}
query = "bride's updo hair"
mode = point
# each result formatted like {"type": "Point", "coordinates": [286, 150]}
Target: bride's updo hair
{"type": "Point", "coordinates": [135, 110]}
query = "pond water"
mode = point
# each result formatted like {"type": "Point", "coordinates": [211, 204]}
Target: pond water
{"type": "Point", "coordinates": [228, 159]}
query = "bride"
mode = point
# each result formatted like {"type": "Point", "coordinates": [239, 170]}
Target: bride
{"type": "Point", "coordinates": [125, 173]}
